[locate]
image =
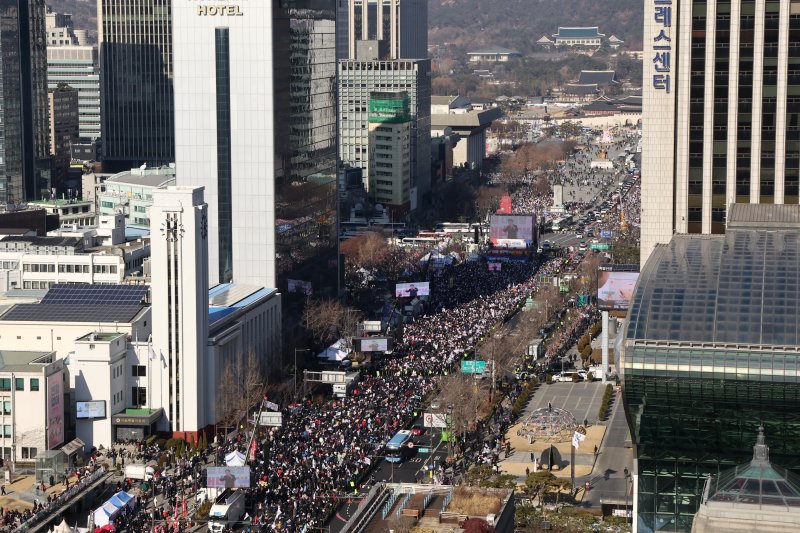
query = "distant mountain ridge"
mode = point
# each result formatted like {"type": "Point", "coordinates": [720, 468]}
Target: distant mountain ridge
{"type": "Point", "coordinates": [517, 24]}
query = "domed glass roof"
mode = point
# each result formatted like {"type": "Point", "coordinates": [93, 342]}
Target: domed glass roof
{"type": "Point", "coordinates": [758, 482]}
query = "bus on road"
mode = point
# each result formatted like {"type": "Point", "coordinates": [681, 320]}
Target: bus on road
{"type": "Point", "coordinates": [398, 449]}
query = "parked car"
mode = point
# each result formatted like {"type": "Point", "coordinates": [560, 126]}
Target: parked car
{"type": "Point", "coordinates": [565, 376]}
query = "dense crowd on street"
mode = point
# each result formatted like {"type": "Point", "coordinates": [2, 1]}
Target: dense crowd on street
{"type": "Point", "coordinates": [321, 452]}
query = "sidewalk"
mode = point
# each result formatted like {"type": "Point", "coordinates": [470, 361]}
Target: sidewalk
{"type": "Point", "coordinates": [21, 493]}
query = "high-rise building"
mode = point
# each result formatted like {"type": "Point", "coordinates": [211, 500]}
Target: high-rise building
{"type": "Point", "coordinates": [721, 112]}
{"type": "Point", "coordinates": [24, 146]}
{"type": "Point", "coordinates": [400, 26]}
{"type": "Point", "coordinates": [390, 150]}
{"type": "Point", "coordinates": [77, 67]}
{"type": "Point", "coordinates": [255, 121]}
{"type": "Point", "coordinates": [60, 28]}
{"type": "Point", "coordinates": [63, 105]}
{"type": "Point", "coordinates": [707, 356]}
{"type": "Point", "coordinates": [357, 81]}
{"type": "Point", "coordinates": [135, 43]}
{"type": "Point", "coordinates": [342, 29]}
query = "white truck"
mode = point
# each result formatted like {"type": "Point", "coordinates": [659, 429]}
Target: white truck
{"type": "Point", "coordinates": [227, 510]}
{"type": "Point", "coordinates": [345, 388]}
{"type": "Point", "coordinates": [142, 472]}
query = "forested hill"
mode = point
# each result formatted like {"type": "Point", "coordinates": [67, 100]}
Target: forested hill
{"type": "Point", "coordinates": [517, 24]}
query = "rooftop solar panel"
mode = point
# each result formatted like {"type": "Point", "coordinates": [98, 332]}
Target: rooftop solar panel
{"type": "Point", "coordinates": [72, 313]}
{"type": "Point", "coordinates": [86, 293]}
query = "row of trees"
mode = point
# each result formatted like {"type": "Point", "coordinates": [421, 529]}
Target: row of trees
{"type": "Point", "coordinates": [538, 485]}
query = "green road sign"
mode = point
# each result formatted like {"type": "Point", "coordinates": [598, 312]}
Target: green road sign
{"type": "Point", "coordinates": [473, 367]}
{"type": "Point", "coordinates": [599, 246]}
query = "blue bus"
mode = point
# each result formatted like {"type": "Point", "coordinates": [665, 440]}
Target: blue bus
{"type": "Point", "coordinates": [398, 449]}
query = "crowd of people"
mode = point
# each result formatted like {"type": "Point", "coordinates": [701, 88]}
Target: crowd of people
{"type": "Point", "coordinates": [320, 454]}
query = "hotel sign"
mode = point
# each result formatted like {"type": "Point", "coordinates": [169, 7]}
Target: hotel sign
{"type": "Point", "coordinates": [219, 10]}
{"type": "Point", "coordinates": [662, 45]}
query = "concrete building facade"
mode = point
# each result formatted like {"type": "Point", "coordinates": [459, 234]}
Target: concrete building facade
{"type": "Point", "coordinates": [77, 66]}
{"type": "Point", "coordinates": [390, 150]}
{"type": "Point", "coordinates": [260, 135]}
{"type": "Point", "coordinates": [400, 26]}
{"type": "Point", "coordinates": [131, 193]}
{"type": "Point", "coordinates": [721, 113]}
{"type": "Point", "coordinates": [357, 81]}
{"type": "Point", "coordinates": [179, 250]}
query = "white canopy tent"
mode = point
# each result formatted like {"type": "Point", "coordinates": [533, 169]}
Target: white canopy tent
{"type": "Point", "coordinates": [235, 458]}
{"type": "Point", "coordinates": [105, 514]}
{"type": "Point", "coordinates": [335, 352]}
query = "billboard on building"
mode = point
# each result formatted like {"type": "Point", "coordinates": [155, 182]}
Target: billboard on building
{"type": "Point", "coordinates": [373, 344]}
{"type": "Point", "coordinates": [299, 286]}
{"type": "Point", "coordinates": [512, 231]}
{"type": "Point", "coordinates": [93, 409]}
{"type": "Point", "coordinates": [55, 409]}
{"type": "Point", "coordinates": [615, 289]}
{"type": "Point", "coordinates": [412, 290]}
{"type": "Point", "coordinates": [228, 477]}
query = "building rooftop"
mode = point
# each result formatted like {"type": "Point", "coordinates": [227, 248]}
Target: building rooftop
{"type": "Point", "coordinates": [227, 298]}
{"type": "Point", "coordinates": [130, 177]}
{"type": "Point", "coordinates": [471, 119]}
{"type": "Point", "coordinates": [100, 336]}
{"type": "Point", "coordinates": [60, 202]}
{"type": "Point", "coordinates": [18, 361]}
{"type": "Point", "coordinates": [757, 482]}
{"type": "Point", "coordinates": [88, 313]}
{"type": "Point", "coordinates": [83, 302]}
{"type": "Point", "coordinates": [499, 50]}
{"type": "Point", "coordinates": [69, 242]}
{"type": "Point", "coordinates": [578, 33]}
{"type": "Point", "coordinates": [443, 100]}
{"type": "Point", "coordinates": [599, 77]}
{"type": "Point", "coordinates": [600, 105]}
{"type": "Point", "coordinates": [737, 288]}
{"type": "Point", "coordinates": [581, 90]}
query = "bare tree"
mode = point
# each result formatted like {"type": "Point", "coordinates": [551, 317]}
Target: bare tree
{"type": "Point", "coordinates": [329, 320]}
{"type": "Point", "coordinates": [228, 394]}
{"type": "Point", "coordinates": [460, 395]}
{"type": "Point", "coordinates": [251, 382]}
{"type": "Point", "coordinates": [365, 251]}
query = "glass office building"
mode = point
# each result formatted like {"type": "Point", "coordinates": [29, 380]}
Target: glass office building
{"type": "Point", "coordinates": [721, 109]}
{"type": "Point", "coordinates": [255, 119]}
{"type": "Point", "coordinates": [710, 353]}
{"type": "Point", "coordinates": [24, 126]}
{"type": "Point", "coordinates": [135, 43]}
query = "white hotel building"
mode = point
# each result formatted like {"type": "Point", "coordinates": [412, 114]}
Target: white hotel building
{"type": "Point", "coordinates": [255, 124]}
{"type": "Point", "coordinates": [721, 112]}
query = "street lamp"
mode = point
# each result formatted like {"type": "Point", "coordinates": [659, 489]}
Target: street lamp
{"type": "Point", "coordinates": [295, 367]}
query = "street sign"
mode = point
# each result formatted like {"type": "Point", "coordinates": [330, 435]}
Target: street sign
{"type": "Point", "coordinates": [434, 420]}
{"type": "Point", "coordinates": [599, 246]}
{"type": "Point", "coordinates": [473, 367]}
{"type": "Point", "coordinates": [424, 450]}
{"type": "Point", "coordinates": [271, 419]}
{"type": "Point", "coordinates": [606, 234]}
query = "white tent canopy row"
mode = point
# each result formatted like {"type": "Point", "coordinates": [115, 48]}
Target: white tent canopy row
{"type": "Point", "coordinates": [112, 508]}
